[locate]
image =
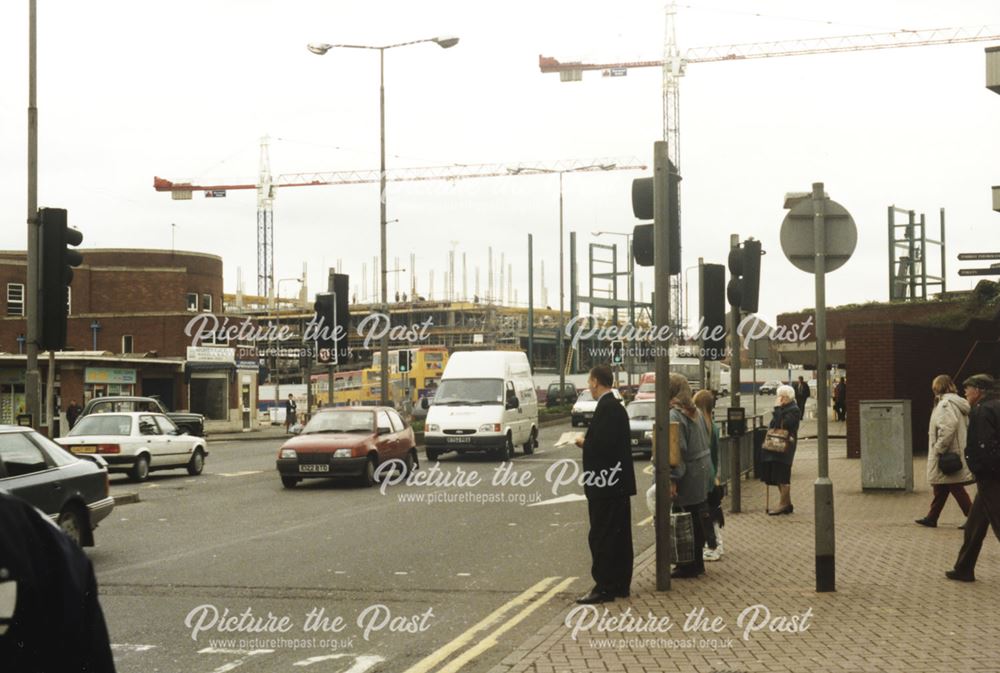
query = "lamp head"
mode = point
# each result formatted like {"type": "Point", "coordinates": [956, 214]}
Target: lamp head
{"type": "Point", "coordinates": [319, 48]}
{"type": "Point", "coordinates": [446, 42]}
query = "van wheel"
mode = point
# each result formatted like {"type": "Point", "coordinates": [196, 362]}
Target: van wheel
{"type": "Point", "coordinates": [432, 455]}
{"type": "Point", "coordinates": [529, 446]}
{"type": "Point", "coordinates": [507, 452]}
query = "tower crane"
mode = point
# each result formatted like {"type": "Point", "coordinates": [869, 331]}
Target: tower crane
{"type": "Point", "coordinates": [674, 65]}
{"type": "Point", "coordinates": [267, 185]}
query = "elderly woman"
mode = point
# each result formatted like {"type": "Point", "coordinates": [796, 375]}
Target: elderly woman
{"type": "Point", "coordinates": [689, 481]}
{"type": "Point", "coordinates": [776, 467]}
{"type": "Point", "coordinates": [947, 432]}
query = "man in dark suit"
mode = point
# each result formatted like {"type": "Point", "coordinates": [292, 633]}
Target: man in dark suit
{"type": "Point", "coordinates": [607, 462]}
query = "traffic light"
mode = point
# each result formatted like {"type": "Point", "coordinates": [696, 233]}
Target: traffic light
{"type": "Point", "coordinates": [405, 361]}
{"type": "Point", "coordinates": [744, 266]}
{"type": "Point", "coordinates": [343, 314]}
{"type": "Point", "coordinates": [642, 208]}
{"type": "Point", "coordinates": [326, 344]}
{"type": "Point", "coordinates": [55, 274]}
{"type": "Point", "coordinates": [617, 352]}
{"type": "Point", "coordinates": [713, 311]}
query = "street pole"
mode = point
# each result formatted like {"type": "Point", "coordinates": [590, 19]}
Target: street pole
{"type": "Point", "coordinates": [560, 357]}
{"type": "Point", "coordinates": [735, 497]}
{"type": "Point", "coordinates": [826, 579]}
{"type": "Point", "coordinates": [631, 306]}
{"type": "Point", "coordinates": [384, 349]}
{"type": "Point", "coordinates": [702, 381]}
{"type": "Point", "coordinates": [661, 434]}
{"type": "Point", "coordinates": [32, 378]}
{"type": "Point", "coordinates": [531, 303]}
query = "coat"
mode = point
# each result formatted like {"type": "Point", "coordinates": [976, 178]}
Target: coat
{"type": "Point", "coordinates": [606, 445]}
{"type": "Point", "coordinates": [786, 417]}
{"type": "Point", "coordinates": [947, 432]}
{"type": "Point", "coordinates": [693, 474]}
{"type": "Point", "coordinates": [984, 436]}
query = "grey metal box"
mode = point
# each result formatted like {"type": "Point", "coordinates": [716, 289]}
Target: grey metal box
{"type": "Point", "coordinates": [996, 198]}
{"type": "Point", "coordinates": [886, 445]}
{"type": "Point", "coordinates": [993, 69]}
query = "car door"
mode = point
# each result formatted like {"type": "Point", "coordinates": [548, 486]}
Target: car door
{"type": "Point", "coordinates": [154, 440]}
{"type": "Point", "coordinates": [385, 442]}
{"type": "Point", "coordinates": [26, 472]}
{"type": "Point", "coordinates": [178, 446]}
{"type": "Point", "coordinates": [402, 445]}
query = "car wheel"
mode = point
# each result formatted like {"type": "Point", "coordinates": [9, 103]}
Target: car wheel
{"type": "Point", "coordinates": [529, 446]}
{"type": "Point", "coordinates": [73, 522]}
{"type": "Point", "coordinates": [368, 476]}
{"type": "Point", "coordinates": [140, 471]}
{"type": "Point", "coordinates": [432, 455]}
{"type": "Point", "coordinates": [289, 482]}
{"type": "Point", "coordinates": [410, 462]}
{"type": "Point", "coordinates": [197, 463]}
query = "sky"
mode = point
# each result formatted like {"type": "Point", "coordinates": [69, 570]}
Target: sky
{"type": "Point", "coordinates": [129, 90]}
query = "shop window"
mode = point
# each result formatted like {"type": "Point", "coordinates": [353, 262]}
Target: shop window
{"type": "Point", "coordinates": [15, 299]}
{"type": "Point", "coordinates": [210, 396]}
{"type": "Point", "coordinates": [192, 301]}
{"type": "Point", "coordinates": [206, 303]}
{"type": "Point", "coordinates": [127, 343]}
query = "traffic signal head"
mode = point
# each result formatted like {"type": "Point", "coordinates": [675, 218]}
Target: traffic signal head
{"type": "Point", "coordinates": [643, 209]}
{"type": "Point", "coordinates": [405, 361]}
{"type": "Point", "coordinates": [744, 266]}
{"type": "Point", "coordinates": [713, 311]}
{"type": "Point", "coordinates": [617, 352]}
{"type": "Point", "coordinates": [55, 273]}
{"type": "Point", "coordinates": [325, 342]}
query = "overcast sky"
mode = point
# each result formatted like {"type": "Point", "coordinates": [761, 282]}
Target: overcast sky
{"type": "Point", "coordinates": [185, 90]}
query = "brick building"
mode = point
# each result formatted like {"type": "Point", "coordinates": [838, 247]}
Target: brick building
{"type": "Point", "coordinates": [894, 350]}
{"type": "Point", "coordinates": [128, 311]}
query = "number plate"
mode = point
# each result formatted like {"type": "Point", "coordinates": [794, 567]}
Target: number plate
{"type": "Point", "coordinates": [460, 440]}
{"type": "Point", "coordinates": [84, 449]}
{"type": "Point", "coordinates": [314, 468]}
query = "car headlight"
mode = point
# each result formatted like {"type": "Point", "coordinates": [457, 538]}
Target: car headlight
{"type": "Point", "coordinates": [343, 453]}
{"type": "Point", "coordinates": [287, 453]}
{"type": "Point", "coordinates": [433, 427]}
{"type": "Point", "coordinates": [648, 434]}
{"type": "Point", "coordinates": [489, 427]}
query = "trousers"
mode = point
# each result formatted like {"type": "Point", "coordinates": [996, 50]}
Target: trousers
{"type": "Point", "coordinates": [610, 542]}
{"type": "Point", "coordinates": [985, 513]}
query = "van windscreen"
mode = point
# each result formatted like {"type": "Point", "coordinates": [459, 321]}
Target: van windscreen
{"type": "Point", "coordinates": [469, 392]}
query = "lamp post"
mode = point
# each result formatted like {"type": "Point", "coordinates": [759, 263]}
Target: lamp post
{"type": "Point", "coordinates": [277, 355]}
{"type": "Point", "coordinates": [320, 49]}
{"type": "Point", "coordinates": [95, 327]}
{"type": "Point", "coordinates": [631, 286]}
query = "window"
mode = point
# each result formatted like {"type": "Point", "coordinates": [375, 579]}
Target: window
{"type": "Point", "coordinates": [167, 426]}
{"type": "Point", "coordinates": [192, 301]}
{"type": "Point", "coordinates": [127, 343]}
{"type": "Point", "coordinates": [19, 455]}
{"type": "Point", "coordinates": [206, 303]}
{"type": "Point", "coordinates": [147, 426]}
{"type": "Point", "coordinates": [383, 421]}
{"type": "Point", "coordinates": [15, 299]}
{"type": "Point", "coordinates": [210, 396]}
{"type": "Point", "coordinates": [397, 422]}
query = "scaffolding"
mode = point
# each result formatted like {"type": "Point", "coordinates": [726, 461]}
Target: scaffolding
{"type": "Point", "coordinates": [908, 272]}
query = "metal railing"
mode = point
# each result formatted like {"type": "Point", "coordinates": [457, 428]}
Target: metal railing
{"type": "Point", "coordinates": [745, 447]}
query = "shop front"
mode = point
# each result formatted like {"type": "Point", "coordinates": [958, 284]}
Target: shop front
{"type": "Point", "coordinates": [108, 381]}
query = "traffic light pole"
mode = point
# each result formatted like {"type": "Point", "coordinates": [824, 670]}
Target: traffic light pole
{"type": "Point", "coordinates": [735, 495]}
{"type": "Point", "coordinates": [32, 378]}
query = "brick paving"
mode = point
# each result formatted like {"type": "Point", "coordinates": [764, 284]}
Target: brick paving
{"type": "Point", "coordinates": [893, 609]}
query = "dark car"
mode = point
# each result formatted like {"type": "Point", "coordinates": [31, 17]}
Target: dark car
{"type": "Point", "coordinates": [554, 399]}
{"type": "Point", "coordinates": [347, 442]}
{"type": "Point", "coordinates": [194, 424]}
{"type": "Point", "coordinates": [73, 491]}
{"type": "Point", "coordinates": [641, 415]}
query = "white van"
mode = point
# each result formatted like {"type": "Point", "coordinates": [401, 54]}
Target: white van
{"type": "Point", "coordinates": [485, 402]}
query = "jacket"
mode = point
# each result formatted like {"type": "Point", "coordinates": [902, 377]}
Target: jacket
{"type": "Point", "coordinates": [693, 474]}
{"type": "Point", "coordinates": [785, 417]}
{"type": "Point", "coordinates": [982, 453]}
{"type": "Point", "coordinates": [947, 433]}
{"type": "Point", "coordinates": [606, 445]}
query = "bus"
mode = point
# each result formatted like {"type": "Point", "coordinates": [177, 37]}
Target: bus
{"type": "Point", "coordinates": [350, 388]}
{"type": "Point", "coordinates": [689, 367]}
{"type": "Point", "coordinates": [427, 365]}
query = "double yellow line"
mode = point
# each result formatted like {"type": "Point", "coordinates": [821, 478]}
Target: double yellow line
{"type": "Point", "coordinates": [528, 601]}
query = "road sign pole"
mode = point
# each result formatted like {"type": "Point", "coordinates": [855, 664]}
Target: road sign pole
{"type": "Point", "coordinates": [735, 487]}
{"type": "Point", "coordinates": [825, 539]}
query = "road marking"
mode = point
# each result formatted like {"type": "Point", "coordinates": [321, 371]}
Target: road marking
{"type": "Point", "coordinates": [648, 519]}
{"type": "Point", "coordinates": [128, 647]}
{"type": "Point", "coordinates": [648, 470]}
{"type": "Point", "coordinates": [571, 497]}
{"type": "Point", "coordinates": [492, 639]}
{"type": "Point", "coordinates": [232, 665]}
{"type": "Point", "coordinates": [361, 663]}
{"type": "Point", "coordinates": [242, 473]}
{"type": "Point", "coordinates": [463, 574]}
{"type": "Point", "coordinates": [401, 572]}
{"type": "Point", "coordinates": [463, 639]}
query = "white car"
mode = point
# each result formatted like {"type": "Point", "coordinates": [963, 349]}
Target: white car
{"type": "Point", "coordinates": [136, 443]}
{"type": "Point", "coordinates": [585, 405]}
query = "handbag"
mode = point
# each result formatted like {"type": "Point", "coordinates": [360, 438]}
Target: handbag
{"type": "Point", "coordinates": [778, 440]}
{"type": "Point", "coordinates": [682, 538]}
{"type": "Point", "coordinates": [949, 462]}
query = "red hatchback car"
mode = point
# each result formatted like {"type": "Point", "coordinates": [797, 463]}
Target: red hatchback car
{"type": "Point", "coordinates": [347, 442]}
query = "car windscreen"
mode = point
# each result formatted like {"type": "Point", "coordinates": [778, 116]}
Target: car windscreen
{"type": "Point", "coordinates": [469, 391]}
{"type": "Point", "coordinates": [103, 424]}
{"type": "Point", "coordinates": [340, 421]}
{"type": "Point", "coordinates": [585, 396]}
{"type": "Point", "coordinates": [641, 411]}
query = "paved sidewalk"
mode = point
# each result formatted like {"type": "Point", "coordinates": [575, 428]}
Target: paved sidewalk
{"type": "Point", "coordinates": [893, 609]}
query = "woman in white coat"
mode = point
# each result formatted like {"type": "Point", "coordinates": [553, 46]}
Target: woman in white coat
{"type": "Point", "coordinates": [947, 433]}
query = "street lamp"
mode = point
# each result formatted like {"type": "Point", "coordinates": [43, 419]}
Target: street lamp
{"type": "Point", "coordinates": [578, 169]}
{"type": "Point", "coordinates": [320, 49]}
{"type": "Point", "coordinates": [631, 283]}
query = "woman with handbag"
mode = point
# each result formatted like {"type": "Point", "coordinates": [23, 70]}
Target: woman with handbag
{"type": "Point", "coordinates": [779, 448]}
{"type": "Point", "coordinates": [947, 472]}
{"type": "Point", "coordinates": [705, 401]}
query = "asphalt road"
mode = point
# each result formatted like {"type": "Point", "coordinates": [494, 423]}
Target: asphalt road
{"type": "Point", "coordinates": [425, 586]}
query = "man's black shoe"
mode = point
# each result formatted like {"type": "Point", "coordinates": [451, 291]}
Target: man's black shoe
{"type": "Point", "coordinates": [927, 522]}
{"type": "Point", "coordinates": [596, 597]}
{"type": "Point", "coordinates": [622, 594]}
{"type": "Point", "coordinates": [961, 577]}
{"type": "Point", "coordinates": [683, 572]}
